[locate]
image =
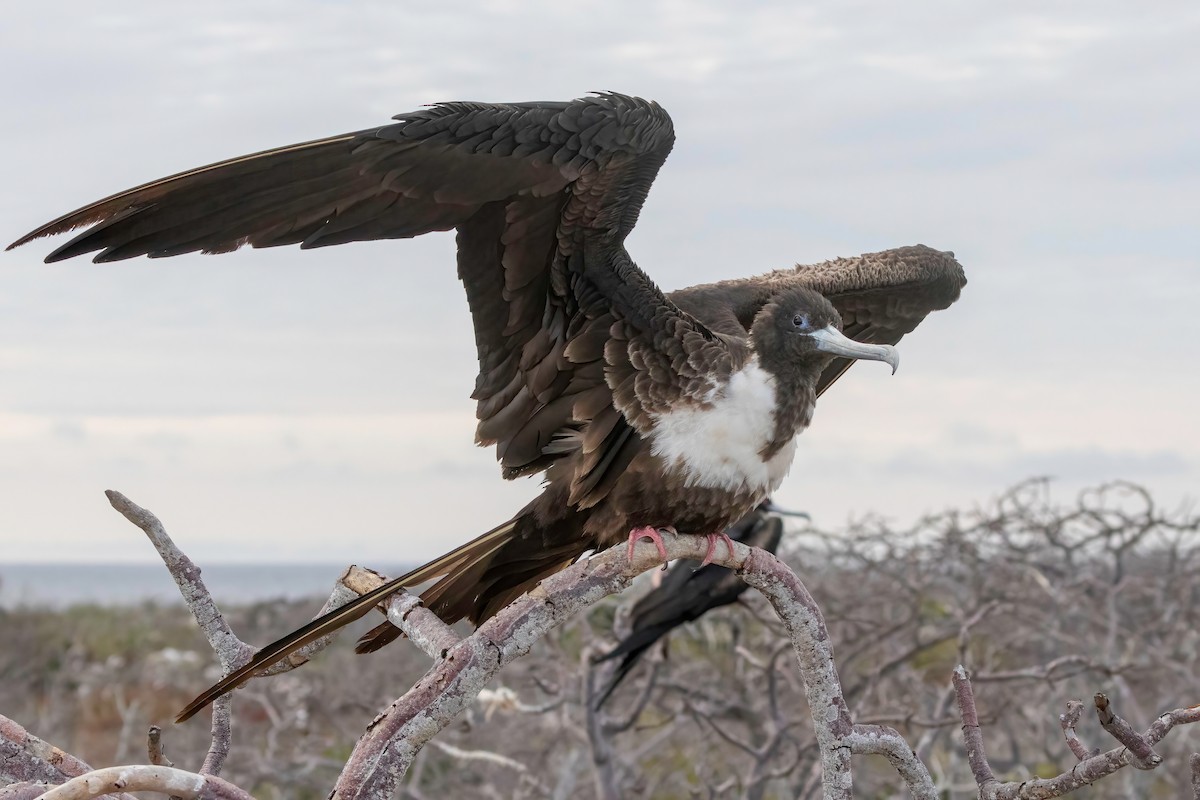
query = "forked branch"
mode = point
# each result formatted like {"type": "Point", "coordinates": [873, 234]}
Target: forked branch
{"type": "Point", "coordinates": [1136, 750]}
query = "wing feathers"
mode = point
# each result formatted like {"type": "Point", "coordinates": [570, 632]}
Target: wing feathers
{"type": "Point", "coordinates": [880, 296]}
{"type": "Point", "coordinates": [542, 195]}
{"type": "Point", "coordinates": [141, 195]}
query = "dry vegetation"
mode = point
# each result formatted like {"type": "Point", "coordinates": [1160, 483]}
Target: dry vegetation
{"type": "Point", "coordinates": [1043, 604]}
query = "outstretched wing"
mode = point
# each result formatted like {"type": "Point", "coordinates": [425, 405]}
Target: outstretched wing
{"type": "Point", "coordinates": [542, 195]}
{"type": "Point", "coordinates": [880, 296]}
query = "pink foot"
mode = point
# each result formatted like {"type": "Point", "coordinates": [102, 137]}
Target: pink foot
{"type": "Point", "coordinates": [646, 532]}
{"type": "Point", "coordinates": [713, 538]}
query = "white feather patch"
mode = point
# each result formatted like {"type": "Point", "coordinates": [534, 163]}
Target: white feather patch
{"type": "Point", "coordinates": [719, 447]}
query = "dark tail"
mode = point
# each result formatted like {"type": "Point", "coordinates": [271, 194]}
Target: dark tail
{"type": "Point", "coordinates": [485, 575]}
{"type": "Point", "coordinates": [476, 581]}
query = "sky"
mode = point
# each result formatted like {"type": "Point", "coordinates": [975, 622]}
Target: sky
{"type": "Point", "coordinates": [314, 406]}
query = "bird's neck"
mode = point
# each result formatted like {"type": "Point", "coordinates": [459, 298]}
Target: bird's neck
{"type": "Point", "coordinates": [795, 400]}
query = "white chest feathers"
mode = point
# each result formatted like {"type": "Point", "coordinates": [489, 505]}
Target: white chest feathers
{"type": "Point", "coordinates": [720, 446]}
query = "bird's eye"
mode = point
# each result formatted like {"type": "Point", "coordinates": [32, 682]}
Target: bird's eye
{"type": "Point", "coordinates": [800, 321]}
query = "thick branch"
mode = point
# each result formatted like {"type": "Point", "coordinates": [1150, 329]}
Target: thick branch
{"type": "Point", "coordinates": [405, 611]}
{"type": "Point", "coordinates": [147, 778]}
{"type": "Point", "coordinates": [387, 749]}
{"type": "Point", "coordinates": [24, 758]}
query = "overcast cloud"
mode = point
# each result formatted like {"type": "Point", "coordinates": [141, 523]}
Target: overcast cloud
{"type": "Point", "coordinates": [314, 405]}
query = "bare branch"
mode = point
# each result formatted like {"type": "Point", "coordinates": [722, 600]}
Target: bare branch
{"type": "Point", "coordinates": [230, 650]}
{"type": "Point", "coordinates": [913, 592]}
{"type": "Point", "coordinates": [221, 736]}
{"type": "Point", "coordinates": [146, 778]}
{"type": "Point", "coordinates": [1068, 721]}
{"type": "Point", "coordinates": [598, 735]}
{"type": "Point", "coordinates": [612, 726]}
{"type": "Point", "coordinates": [387, 749]}
{"type": "Point", "coordinates": [806, 627]}
{"type": "Point", "coordinates": [1143, 755]}
{"type": "Point", "coordinates": [887, 742]}
{"type": "Point", "coordinates": [482, 755]}
{"type": "Point", "coordinates": [1084, 773]}
{"type": "Point", "coordinates": [154, 748]}
{"type": "Point", "coordinates": [717, 729]}
{"type": "Point", "coordinates": [24, 758]}
{"type": "Point", "coordinates": [1047, 671]}
{"type": "Point", "coordinates": [972, 733]}
{"type": "Point", "coordinates": [405, 611]}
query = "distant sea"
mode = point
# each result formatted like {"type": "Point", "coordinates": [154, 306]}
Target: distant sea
{"type": "Point", "coordinates": [59, 585]}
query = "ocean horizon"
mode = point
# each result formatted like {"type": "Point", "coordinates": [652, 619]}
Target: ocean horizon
{"type": "Point", "coordinates": [58, 585]}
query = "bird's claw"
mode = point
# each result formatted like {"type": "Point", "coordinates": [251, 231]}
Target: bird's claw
{"type": "Point", "coordinates": [654, 535]}
{"type": "Point", "coordinates": [713, 538]}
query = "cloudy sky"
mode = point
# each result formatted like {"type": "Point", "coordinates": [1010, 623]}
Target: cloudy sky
{"type": "Point", "coordinates": [314, 405]}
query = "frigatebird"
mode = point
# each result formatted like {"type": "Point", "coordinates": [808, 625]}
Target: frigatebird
{"type": "Point", "coordinates": [644, 411]}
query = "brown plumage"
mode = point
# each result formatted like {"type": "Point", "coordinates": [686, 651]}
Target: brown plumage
{"type": "Point", "coordinates": [643, 410]}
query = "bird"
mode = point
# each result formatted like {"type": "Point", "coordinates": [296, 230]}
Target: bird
{"type": "Point", "coordinates": [687, 593]}
{"type": "Point", "coordinates": [643, 411]}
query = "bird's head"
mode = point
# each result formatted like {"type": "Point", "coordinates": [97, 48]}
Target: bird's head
{"type": "Point", "coordinates": [798, 329]}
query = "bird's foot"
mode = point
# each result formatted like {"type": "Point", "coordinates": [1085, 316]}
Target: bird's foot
{"type": "Point", "coordinates": [713, 538]}
{"type": "Point", "coordinates": [654, 535]}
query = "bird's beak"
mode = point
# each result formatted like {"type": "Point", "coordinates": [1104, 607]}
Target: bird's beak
{"type": "Point", "coordinates": [831, 340]}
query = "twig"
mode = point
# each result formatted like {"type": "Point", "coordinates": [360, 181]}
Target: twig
{"type": "Point", "coordinates": [503, 698]}
{"type": "Point", "coordinates": [1068, 721]}
{"type": "Point", "coordinates": [972, 733]}
{"type": "Point", "coordinates": [1044, 672]}
{"type": "Point", "coordinates": [154, 748]}
{"type": "Point", "coordinates": [598, 736]}
{"type": "Point", "coordinates": [482, 755]}
{"type": "Point", "coordinates": [717, 729]}
{"type": "Point", "coordinates": [612, 726]}
{"type": "Point", "coordinates": [158, 757]}
{"type": "Point", "coordinates": [230, 651]}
